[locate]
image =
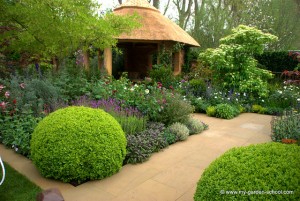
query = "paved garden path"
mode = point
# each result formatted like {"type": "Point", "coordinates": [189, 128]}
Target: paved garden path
{"type": "Point", "coordinates": [170, 175]}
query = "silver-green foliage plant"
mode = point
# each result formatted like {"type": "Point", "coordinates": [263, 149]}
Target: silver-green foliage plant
{"type": "Point", "coordinates": [233, 63]}
{"type": "Point", "coordinates": [180, 130]}
{"type": "Point", "coordinates": [195, 126]}
{"type": "Point", "coordinates": [286, 126]}
{"type": "Point", "coordinates": [76, 144]}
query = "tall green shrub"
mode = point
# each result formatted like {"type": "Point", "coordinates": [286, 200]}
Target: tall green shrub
{"type": "Point", "coordinates": [276, 61]}
{"type": "Point", "coordinates": [233, 63]}
{"type": "Point", "coordinates": [163, 74]}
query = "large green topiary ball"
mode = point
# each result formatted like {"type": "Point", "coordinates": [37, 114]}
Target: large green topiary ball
{"type": "Point", "coordinates": [267, 171]}
{"type": "Point", "coordinates": [78, 144]}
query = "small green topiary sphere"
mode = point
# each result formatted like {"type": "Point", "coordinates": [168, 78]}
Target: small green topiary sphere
{"type": "Point", "coordinates": [78, 144]}
{"type": "Point", "coordinates": [257, 172]}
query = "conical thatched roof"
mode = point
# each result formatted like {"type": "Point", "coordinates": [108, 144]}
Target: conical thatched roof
{"type": "Point", "coordinates": [155, 26]}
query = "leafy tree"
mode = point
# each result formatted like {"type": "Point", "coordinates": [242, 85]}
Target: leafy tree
{"type": "Point", "coordinates": [56, 28]}
{"type": "Point", "coordinates": [233, 63]}
{"type": "Point", "coordinates": [213, 19]}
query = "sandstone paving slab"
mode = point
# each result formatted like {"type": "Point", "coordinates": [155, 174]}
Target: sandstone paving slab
{"type": "Point", "coordinates": [86, 194]}
{"type": "Point", "coordinates": [128, 178]}
{"type": "Point", "coordinates": [150, 191]}
{"type": "Point", "coordinates": [169, 175]}
{"type": "Point", "coordinates": [189, 195]}
{"type": "Point", "coordinates": [181, 177]}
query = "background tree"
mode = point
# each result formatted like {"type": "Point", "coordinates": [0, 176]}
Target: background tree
{"type": "Point", "coordinates": [184, 9]}
{"type": "Point", "coordinates": [213, 19]}
{"type": "Point", "coordinates": [47, 29]}
{"type": "Point", "coordinates": [155, 3]}
{"type": "Point", "coordinates": [233, 64]}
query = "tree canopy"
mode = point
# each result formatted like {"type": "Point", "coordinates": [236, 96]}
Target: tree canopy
{"type": "Point", "coordinates": [48, 28]}
{"type": "Point", "coordinates": [233, 63]}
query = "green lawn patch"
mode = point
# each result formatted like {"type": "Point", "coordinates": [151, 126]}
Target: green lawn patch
{"type": "Point", "coordinates": [17, 187]}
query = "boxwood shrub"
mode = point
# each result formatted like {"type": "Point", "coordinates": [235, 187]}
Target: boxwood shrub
{"type": "Point", "coordinates": [264, 167]}
{"type": "Point", "coordinates": [76, 144]}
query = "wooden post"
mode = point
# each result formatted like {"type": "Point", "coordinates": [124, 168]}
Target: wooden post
{"type": "Point", "coordinates": [108, 60]}
{"type": "Point", "coordinates": [178, 62]}
{"type": "Point", "coordinates": [55, 63]}
{"type": "Point", "coordinates": [86, 60]}
{"type": "Point", "coordinates": [99, 55]}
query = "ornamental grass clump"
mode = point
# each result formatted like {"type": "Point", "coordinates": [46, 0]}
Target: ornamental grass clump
{"type": "Point", "coordinates": [76, 144]}
{"type": "Point", "coordinates": [267, 171]}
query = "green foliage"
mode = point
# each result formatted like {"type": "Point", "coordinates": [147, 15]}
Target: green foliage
{"type": "Point", "coordinates": [286, 126]}
{"type": "Point", "coordinates": [131, 119]}
{"type": "Point", "coordinates": [259, 109]}
{"type": "Point", "coordinates": [17, 187]}
{"type": "Point", "coordinates": [176, 110]}
{"type": "Point", "coordinates": [180, 130]}
{"type": "Point", "coordinates": [147, 99]}
{"type": "Point", "coordinates": [141, 145]}
{"type": "Point", "coordinates": [226, 111]}
{"type": "Point", "coordinates": [198, 86]}
{"type": "Point", "coordinates": [200, 104]}
{"type": "Point", "coordinates": [130, 124]}
{"type": "Point", "coordinates": [241, 109]}
{"type": "Point", "coordinates": [233, 63]}
{"type": "Point", "coordinates": [277, 61]}
{"type": "Point", "coordinates": [211, 111]}
{"type": "Point", "coordinates": [32, 95]}
{"type": "Point", "coordinates": [262, 167]}
{"type": "Point", "coordinates": [81, 29]}
{"type": "Point", "coordinates": [170, 137]}
{"type": "Point", "coordinates": [215, 18]}
{"type": "Point", "coordinates": [195, 126]}
{"type": "Point", "coordinates": [16, 131]}
{"type": "Point", "coordinates": [284, 97]}
{"type": "Point", "coordinates": [72, 82]}
{"type": "Point", "coordinates": [78, 144]}
{"type": "Point", "coordinates": [163, 74]}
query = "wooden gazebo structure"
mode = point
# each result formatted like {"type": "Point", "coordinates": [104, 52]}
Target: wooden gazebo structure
{"type": "Point", "coordinates": [156, 32]}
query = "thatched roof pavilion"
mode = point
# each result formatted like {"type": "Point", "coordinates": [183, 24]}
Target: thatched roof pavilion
{"type": "Point", "coordinates": [157, 31]}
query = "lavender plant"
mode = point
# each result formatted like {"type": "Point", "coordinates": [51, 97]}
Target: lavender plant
{"type": "Point", "coordinates": [130, 118]}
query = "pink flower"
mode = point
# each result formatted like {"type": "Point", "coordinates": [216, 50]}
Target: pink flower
{"type": "Point", "coordinates": [1, 87]}
{"type": "Point", "coordinates": [7, 94]}
{"type": "Point", "coordinates": [3, 105]}
{"type": "Point", "coordinates": [22, 85]}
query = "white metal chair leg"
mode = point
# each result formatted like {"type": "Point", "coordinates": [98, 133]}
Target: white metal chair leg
{"type": "Point", "coordinates": [3, 172]}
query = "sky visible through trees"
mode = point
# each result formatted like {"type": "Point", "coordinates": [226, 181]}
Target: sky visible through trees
{"type": "Point", "coordinates": [209, 20]}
